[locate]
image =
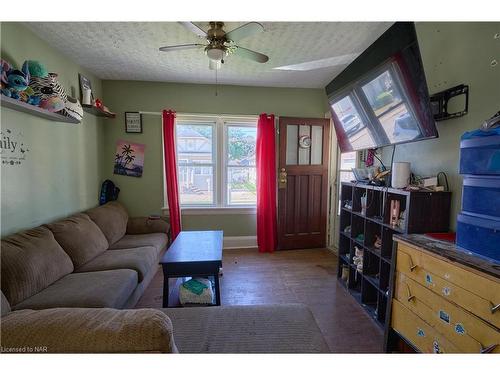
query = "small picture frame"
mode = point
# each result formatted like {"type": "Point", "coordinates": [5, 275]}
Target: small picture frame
{"type": "Point", "coordinates": [133, 122]}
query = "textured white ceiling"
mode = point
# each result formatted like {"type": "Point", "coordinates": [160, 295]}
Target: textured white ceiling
{"type": "Point", "coordinates": [129, 51]}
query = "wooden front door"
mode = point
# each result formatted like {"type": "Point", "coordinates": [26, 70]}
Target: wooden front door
{"type": "Point", "coordinates": [302, 182]}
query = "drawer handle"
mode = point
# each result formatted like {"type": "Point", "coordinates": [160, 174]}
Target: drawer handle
{"type": "Point", "coordinates": [488, 349]}
{"type": "Point", "coordinates": [494, 308]}
{"type": "Point", "coordinates": [410, 296]}
{"type": "Point", "coordinates": [412, 266]}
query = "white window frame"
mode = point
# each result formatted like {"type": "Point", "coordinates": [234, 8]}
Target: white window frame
{"type": "Point", "coordinates": [220, 137]}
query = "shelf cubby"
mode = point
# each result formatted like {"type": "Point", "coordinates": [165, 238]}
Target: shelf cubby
{"type": "Point", "coordinates": [369, 287]}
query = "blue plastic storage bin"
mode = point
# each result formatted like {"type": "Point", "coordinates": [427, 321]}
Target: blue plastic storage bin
{"type": "Point", "coordinates": [479, 235]}
{"type": "Point", "coordinates": [481, 196]}
{"type": "Point", "coordinates": [480, 155]}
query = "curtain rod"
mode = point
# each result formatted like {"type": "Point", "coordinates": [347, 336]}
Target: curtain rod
{"type": "Point", "coordinates": [201, 115]}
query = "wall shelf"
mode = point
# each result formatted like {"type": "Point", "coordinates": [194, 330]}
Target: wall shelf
{"type": "Point", "coordinates": [20, 106]}
{"type": "Point", "coordinates": [97, 111]}
{"type": "Point", "coordinates": [424, 212]}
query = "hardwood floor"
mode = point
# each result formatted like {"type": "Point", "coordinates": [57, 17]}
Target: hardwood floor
{"type": "Point", "coordinates": [292, 276]}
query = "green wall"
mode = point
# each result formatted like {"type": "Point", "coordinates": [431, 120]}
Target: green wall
{"type": "Point", "coordinates": [454, 53]}
{"type": "Point", "coordinates": [144, 195]}
{"type": "Point", "coordinates": [62, 170]}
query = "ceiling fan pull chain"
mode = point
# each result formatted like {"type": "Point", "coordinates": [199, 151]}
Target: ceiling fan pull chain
{"type": "Point", "coordinates": [216, 82]}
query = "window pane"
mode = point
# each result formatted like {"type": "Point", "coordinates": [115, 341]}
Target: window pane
{"type": "Point", "coordinates": [304, 153]}
{"type": "Point", "coordinates": [196, 185]}
{"type": "Point", "coordinates": [317, 145]}
{"type": "Point", "coordinates": [386, 101]}
{"type": "Point", "coordinates": [292, 144]}
{"type": "Point", "coordinates": [352, 122]}
{"type": "Point", "coordinates": [241, 185]}
{"type": "Point", "coordinates": [241, 142]}
{"type": "Point", "coordinates": [348, 160]}
{"type": "Point", "coordinates": [195, 143]}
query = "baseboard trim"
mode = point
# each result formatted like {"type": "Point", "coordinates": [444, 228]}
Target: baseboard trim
{"type": "Point", "coordinates": [240, 242]}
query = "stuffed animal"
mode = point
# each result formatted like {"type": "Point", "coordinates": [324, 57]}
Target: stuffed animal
{"type": "Point", "coordinates": [37, 69]}
{"type": "Point", "coordinates": [5, 67]}
{"type": "Point", "coordinates": [17, 81]}
{"type": "Point", "coordinates": [52, 94]}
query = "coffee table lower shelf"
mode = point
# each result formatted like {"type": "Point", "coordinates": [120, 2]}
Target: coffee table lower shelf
{"type": "Point", "coordinates": [173, 298]}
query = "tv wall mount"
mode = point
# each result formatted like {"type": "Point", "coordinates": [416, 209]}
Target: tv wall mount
{"type": "Point", "coordinates": [439, 102]}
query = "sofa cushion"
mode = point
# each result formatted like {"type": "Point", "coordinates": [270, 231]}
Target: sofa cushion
{"type": "Point", "coordinates": [80, 237]}
{"type": "Point", "coordinates": [158, 240]}
{"type": "Point", "coordinates": [90, 289]}
{"type": "Point", "coordinates": [141, 259]}
{"type": "Point", "coordinates": [112, 219]}
{"type": "Point", "coordinates": [30, 262]}
{"type": "Point", "coordinates": [286, 328]}
{"type": "Point", "coordinates": [80, 330]}
{"type": "Point", "coordinates": [5, 305]}
{"type": "Point", "coordinates": [145, 225]}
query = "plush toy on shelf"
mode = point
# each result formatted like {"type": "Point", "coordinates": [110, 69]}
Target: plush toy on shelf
{"type": "Point", "coordinates": [14, 81]}
{"type": "Point", "coordinates": [52, 93]}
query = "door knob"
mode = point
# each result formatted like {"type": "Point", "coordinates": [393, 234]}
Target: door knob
{"type": "Point", "coordinates": [282, 179]}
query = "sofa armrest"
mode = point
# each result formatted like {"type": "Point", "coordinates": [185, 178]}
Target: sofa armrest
{"type": "Point", "coordinates": [87, 330]}
{"type": "Point", "coordinates": [145, 225]}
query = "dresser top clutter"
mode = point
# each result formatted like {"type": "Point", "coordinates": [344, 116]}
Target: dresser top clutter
{"type": "Point", "coordinates": [452, 252]}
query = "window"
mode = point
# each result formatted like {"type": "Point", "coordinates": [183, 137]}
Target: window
{"type": "Point", "coordinates": [195, 155]}
{"type": "Point", "coordinates": [216, 161]}
{"type": "Point", "coordinates": [347, 161]}
{"type": "Point", "coordinates": [240, 164]}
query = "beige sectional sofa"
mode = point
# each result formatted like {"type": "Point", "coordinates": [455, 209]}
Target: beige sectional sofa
{"type": "Point", "coordinates": [99, 258]}
{"type": "Point", "coordinates": [67, 286]}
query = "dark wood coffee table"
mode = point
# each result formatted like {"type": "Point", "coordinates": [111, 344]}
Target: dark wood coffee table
{"type": "Point", "coordinates": [195, 254]}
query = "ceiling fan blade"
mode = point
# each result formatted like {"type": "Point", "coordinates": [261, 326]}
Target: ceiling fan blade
{"type": "Point", "coordinates": [181, 47]}
{"type": "Point", "coordinates": [244, 31]}
{"type": "Point", "coordinates": [251, 55]}
{"type": "Point", "coordinates": [214, 65]}
{"type": "Point", "coordinates": [194, 29]}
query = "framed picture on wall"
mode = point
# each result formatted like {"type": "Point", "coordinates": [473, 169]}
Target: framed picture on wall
{"type": "Point", "coordinates": [133, 122]}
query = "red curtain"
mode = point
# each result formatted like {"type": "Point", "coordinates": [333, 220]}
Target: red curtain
{"type": "Point", "coordinates": [171, 171]}
{"type": "Point", "coordinates": [266, 184]}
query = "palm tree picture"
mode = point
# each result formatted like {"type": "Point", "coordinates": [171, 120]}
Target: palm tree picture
{"type": "Point", "coordinates": [129, 159]}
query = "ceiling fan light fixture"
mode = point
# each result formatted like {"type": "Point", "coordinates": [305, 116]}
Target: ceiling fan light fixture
{"type": "Point", "coordinates": [216, 54]}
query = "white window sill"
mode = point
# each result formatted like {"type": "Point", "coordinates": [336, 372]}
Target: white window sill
{"type": "Point", "coordinates": [214, 210]}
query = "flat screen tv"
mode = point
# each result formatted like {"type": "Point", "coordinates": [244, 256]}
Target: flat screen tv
{"type": "Point", "coordinates": [381, 98]}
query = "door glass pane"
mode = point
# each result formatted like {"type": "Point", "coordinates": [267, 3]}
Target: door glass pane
{"type": "Point", "coordinates": [241, 142]}
{"type": "Point", "coordinates": [241, 185]}
{"type": "Point", "coordinates": [194, 143]}
{"type": "Point", "coordinates": [352, 123]}
{"type": "Point", "coordinates": [317, 145]}
{"type": "Point", "coordinates": [196, 185]}
{"type": "Point", "coordinates": [388, 105]}
{"type": "Point", "coordinates": [304, 153]}
{"type": "Point", "coordinates": [292, 143]}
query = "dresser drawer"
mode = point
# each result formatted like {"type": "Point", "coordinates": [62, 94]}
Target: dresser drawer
{"type": "Point", "coordinates": [465, 288]}
{"type": "Point", "coordinates": [466, 331]}
{"type": "Point", "coordinates": [425, 338]}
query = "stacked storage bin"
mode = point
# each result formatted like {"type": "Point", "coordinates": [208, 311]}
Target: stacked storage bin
{"type": "Point", "coordinates": [478, 225]}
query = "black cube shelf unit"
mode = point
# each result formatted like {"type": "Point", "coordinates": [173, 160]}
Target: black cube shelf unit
{"type": "Point", "coordinates": [424, 212]}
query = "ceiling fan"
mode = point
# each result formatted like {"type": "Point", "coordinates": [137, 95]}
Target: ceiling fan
{"type": "Point", "coordinates": [220, 43]}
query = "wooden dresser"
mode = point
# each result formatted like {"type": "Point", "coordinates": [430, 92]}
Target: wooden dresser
{"type": "Point", "coordinates": [442, 300]}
